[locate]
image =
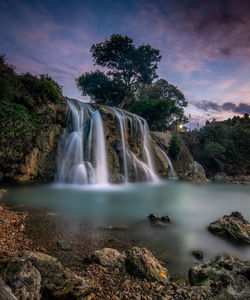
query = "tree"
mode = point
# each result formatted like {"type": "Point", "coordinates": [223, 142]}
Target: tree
{"type": "Point", "coordinates": [127, 66]}
{"type": "Point", "coordinates": [161, 104]}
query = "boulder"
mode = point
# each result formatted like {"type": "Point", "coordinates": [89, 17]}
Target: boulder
{"type": "Point", "coordinates": [57, 282]}
{"type": "Point", "coordinates": [140, 262]}
{"type": "Point", "coordinates": [6, 292]}
{"type": "Point", "coordinates": [106, 257]}
{"type": "Point", "coordinates": [233, 227]}
{"type": "Point", "coordinates": [23, 278]}
{"type": "Point", "coordinates": [238, 289]}
{"type": "Point", "coordinates": [222, 269]}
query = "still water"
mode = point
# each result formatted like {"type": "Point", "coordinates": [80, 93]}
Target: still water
{"type": "Point", "coordinates": [191, 207]}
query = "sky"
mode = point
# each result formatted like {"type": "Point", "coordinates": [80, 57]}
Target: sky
{"type": "Point", "coordinates": [205, 44]}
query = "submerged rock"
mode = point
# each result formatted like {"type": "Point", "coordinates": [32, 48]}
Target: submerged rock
{"type": "Point", "coordinates": [197, 254]}
{"type": "Point", "coordinates": [140, 262]}
{"type": "Point", "coordinates": [154, 219]}
{"type": "Point", "coordinates": [106, 257]}
{"type": "Point", "coordinates": [233, 227]}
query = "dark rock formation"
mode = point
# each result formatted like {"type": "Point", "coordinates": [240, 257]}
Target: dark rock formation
{"type": "Point", "coordinates": [233, 227]}
{"type": "Point", "coordinates": [37, 276]}
{"type": "Point", "coordinates": [154, 219]}
{"type": "Point", "coordinates": [197, 254]}
{"type": "Point", "coordinates": [238, 289]}
{"type": "Point", "coordinates": [224, 275]}
{"type": "Point", "coordinates": [140, 262]}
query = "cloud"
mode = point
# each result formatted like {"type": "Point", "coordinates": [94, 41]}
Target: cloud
{"type": "Point", "coordinates": [206, 105]}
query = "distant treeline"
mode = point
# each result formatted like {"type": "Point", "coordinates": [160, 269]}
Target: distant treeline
{"type": "Point", "coordinates": [222, 146]}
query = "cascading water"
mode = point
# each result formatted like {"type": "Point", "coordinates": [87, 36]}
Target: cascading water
{"type": "Point", "coordinates": [172, 171]}
{"type": "Point", "coordinates": [82, 151]}
{"type": "Point", "coordinates": [82, 156]}
{"type": "Point", "coordinates": [139, 130]}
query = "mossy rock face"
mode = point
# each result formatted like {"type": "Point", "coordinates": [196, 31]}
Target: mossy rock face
{"type": "Point", "coordinates": [30, 156]}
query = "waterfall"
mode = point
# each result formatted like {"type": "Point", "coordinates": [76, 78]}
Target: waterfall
{"type": "Point", "coordinates": [82, 153]}
{"type": "Point", "coordinates": [139, 130]}
{"type": "Point", "coordinates": [172, 171]}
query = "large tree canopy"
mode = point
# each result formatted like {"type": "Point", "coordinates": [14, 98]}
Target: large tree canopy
{"type": "Point", "coordinates": [126, 65]}
{"type": "Point", "coordinates": [128, 81]}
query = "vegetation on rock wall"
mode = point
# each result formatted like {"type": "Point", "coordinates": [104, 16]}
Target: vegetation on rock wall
{"type": "Point", "coordinates": [222, 146]}
{"type": "Point", "coordinates": [175, 146]}
{"type": "Point", "coordinates": [27, 109]}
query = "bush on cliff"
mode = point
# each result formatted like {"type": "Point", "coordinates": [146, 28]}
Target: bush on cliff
{"type": "Point", "coordinates": [175, 146]}
{"type": "Point", "coordinates": [24, 112]}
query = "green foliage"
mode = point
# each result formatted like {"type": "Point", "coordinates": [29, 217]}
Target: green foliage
{"type": "Point", "coordinates": [127, 66]}
{"type": "Point", "coordinates": [24, 110]}
{"type": "Point", "coordinates": [214, 152]}
{"type": "Point", "coordinates": [175, 146]}
{"type": "Point", "coordinates": [222, 146]}
{"type": "Point", "coordinates": [101, 88]}
{"type": "Point", "coordinates": [160, 104]}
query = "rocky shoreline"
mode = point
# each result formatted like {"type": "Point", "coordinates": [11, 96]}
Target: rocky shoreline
{"type": "Point", "coordinates": [37, 261]}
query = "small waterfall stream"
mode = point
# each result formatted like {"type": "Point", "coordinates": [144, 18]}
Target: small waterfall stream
{"type": "Point", "coordinates": [82, 153]}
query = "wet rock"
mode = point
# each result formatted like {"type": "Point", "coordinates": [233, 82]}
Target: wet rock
{"type": "Point", "coordinates": [106, 257]}
{"type": "Point", "coordinates": [58, 282]}
{"type": "Point", "coordinates": [223, 268]}
{"type": "Point", "coordinates": [238, 289]}
{"type": "Point", "coordinates": [197, 254]}
{"type": "Point", "coordinates": [23, 278]}
{"type": "Point", "coordinates": [233, 227]}
{"type": "Point", "coordinates": [140, 262]}
{"type": "Point", "coordinates": [64, 245]}
{"type": "Point", "coordinates": [154, 219]}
